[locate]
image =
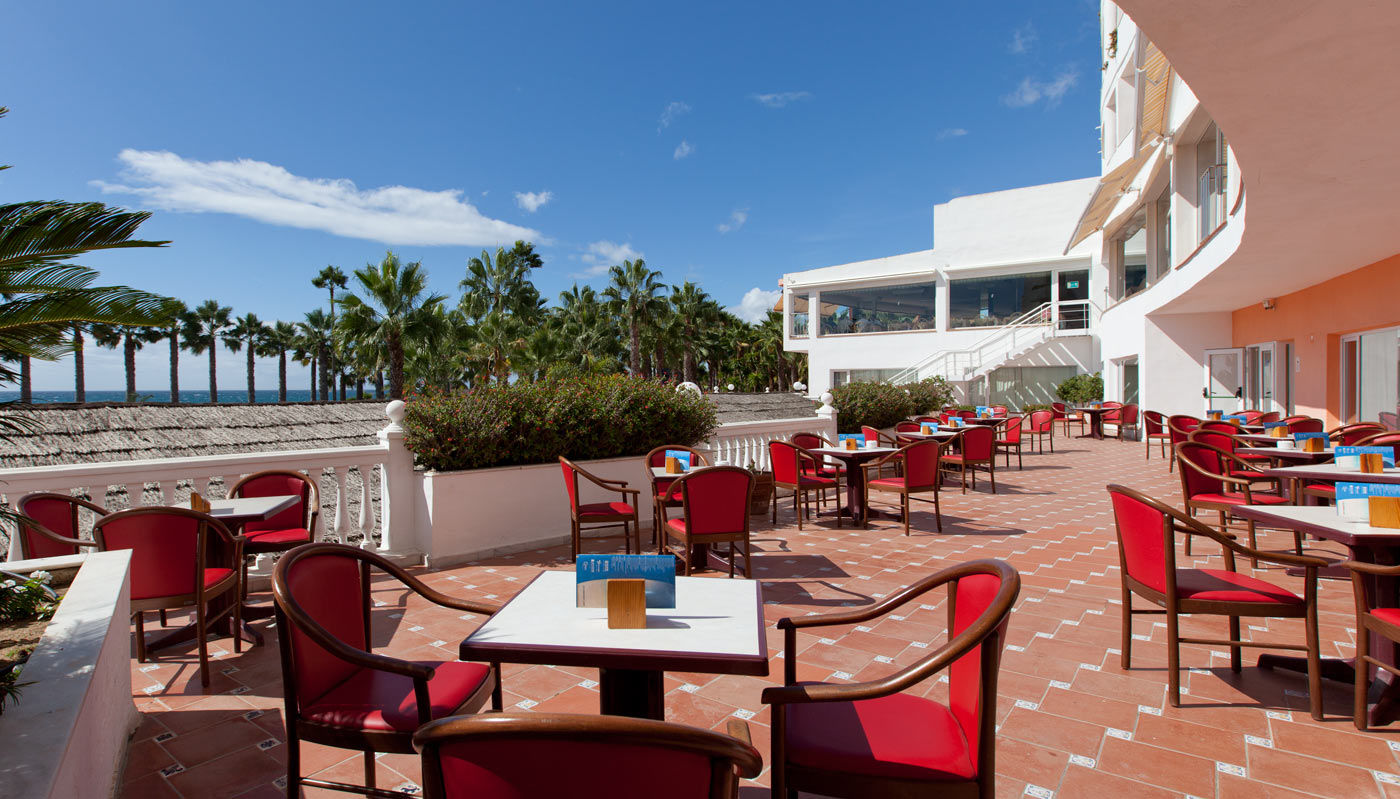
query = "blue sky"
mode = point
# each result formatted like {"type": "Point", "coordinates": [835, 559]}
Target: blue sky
{"type": "Point", "coordinates": [726, 143]}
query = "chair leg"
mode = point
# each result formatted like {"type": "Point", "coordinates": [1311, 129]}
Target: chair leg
{"type": "Point", "coordinates": [1125, 654]}
{"type": "Point", "coordinates": [904, 504]}
{"type": "Point", "coordinates": [797, 506]}
{"type": "Point", "coordinates": [1235, 651]}
{"type": "Point", "coordinates": [497, 693]}
{"type": "Point", "coordinates": [937, 512]}
{"type": "Point", "coordinates": [1254, 562]}
{"type": "Point", "coordinates": [237, 626]}
{"type": "Point", "coordinates": [140, 618]}
{"type": "Point", "coordinates": [1363, 678]}
{"type": "Point", "coordinates": [992, 473]}
{"type": "Point", "coordinates": [202, 635]}
{"type": "Point", "coordinates": [732, 544]}
{"type": "Point", "coordinates": [369, 769]}
{"type": "Point", "coordinates": [1315, 662]}
{"type": "Point", "coordinates": [1173, 661]}
{"type": "Point", "coordinates": [775, 504]}
{"type": "Point", "coordinates": [293, 762]}
{"type": "Point", "coordinates": [1019, 465]}
{"type": "Point", "coordinates": [164, 622]}
{"type": "Point", "coordinates": [573, 541]}
{"type": "Point", "coordinates": [1192, 512]}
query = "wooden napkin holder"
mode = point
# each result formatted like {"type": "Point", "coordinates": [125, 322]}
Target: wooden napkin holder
{"type": "Point", "coordinates": [627, 604]}
{"type": "Point", "coordinates": [198, 502]}
{"type": "Point", "coordinates": [673, 465]}
{"type": "Point", "coordinates": [1216, 415]}
{"type": "Point", "coordinates": [1278, 432]}
{"type": "Point", "coordinates": [1385, 512]}
{"type": "Point", "coordinates": [1314, 445]}
{"type": "Point", "coordinates": [850, 443]}
{"type": "Point", "coordinates": [1372, 462]}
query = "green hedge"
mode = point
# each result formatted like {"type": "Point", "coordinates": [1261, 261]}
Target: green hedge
{"type": "Point", "coordinates": [1081, 388]}
{"type": "Point", "coordinates": [876, 404]}
{"type": "Point", "coordinates": [929, 395]}
{"type": "Point", "coordinates": [597, 416]}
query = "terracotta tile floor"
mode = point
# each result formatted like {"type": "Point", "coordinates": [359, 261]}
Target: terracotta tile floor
{"type": "Point", "coordinates": [1072, 723]}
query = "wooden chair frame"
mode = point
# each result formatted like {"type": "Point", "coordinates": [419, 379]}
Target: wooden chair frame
{"type": "Point", "coordinates": [1117, 419]}
{"type": "Point", "coordinates": [1177, 435]}
{"type": "Point", "coordinates": [1041, 435]}
{"type": "Point", "coordinates": [1223, 509]}
{"type": "Point", "coordinates": [799, 492]}
{"type": "Point", "coordinates": [290, 613]}
{"type": "Point", "coordinates": [658, 503]}
{"type": "Point", "coordinates": [1163, 438]}
{"type": "Point", "coordinates": [905, 492]}
{"type": "Point", "coordinates": [731, 756]}
{"type": "Point", "coordinates": [689, 540]}
{"type": "Point", "coordinates": [1168, 602]}
{"type": "Point", "coordinates": [313, 513]}
{"type": "Point", "coordinates": [999, 445]}
{"type": "Point", "coordinates": [1366, 623]}
{"type": "Point", "coordinates": [884, 441]}
{"type": "Point", "coordinates": [75, 506]}
{"type": "Point", "coordinates": [840, 469]}
{"type": "Point", "coordinates": [602, 521]}
{"type": "Point", "coordinates": [1067, 417]}
{"type": "Point", "coordinates": [970, 466]}
{"type": "Point", "coordinates": [989, 629]}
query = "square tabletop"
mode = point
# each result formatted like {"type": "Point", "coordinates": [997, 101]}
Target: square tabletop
{"type": "Point", "coordinates": [940, 433]}
{"type": "Point", "coordinates": [250, 509]}
{"type": "Point", "coordinates": [1331, 472]}
{"type": "Point", "coordinates": [1285, 454]}
{"type": "Point", "coordinates": [842, 451]}
{"type": "Point", "coordinates": [715, 628]}
{"type": "Point", "coordinates": [1321, 521]}
{"type": "Point", "coordinates": [660, 471]}
{"type": "Point", "coordinates": [1266, 438]}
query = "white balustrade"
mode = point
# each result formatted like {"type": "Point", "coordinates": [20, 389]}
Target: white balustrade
{"type": "Point", "coordinates": [743, 443]}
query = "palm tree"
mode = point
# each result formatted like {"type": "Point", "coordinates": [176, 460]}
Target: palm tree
{"type": "Point", "coordinates": [330, 278]}
{"type": "Point", "coordinates": [396, 309]}
{"type": "Point", "coordinates": [503, 285]}
{"type": "Point", "coordinates": [79, 366]}
{"type": "Point", "coordinates": [694, 311]}
{"type": "Point", "coordinates": [247, 331]}
{"type": "Point", "coordinates": [202, 329]}
{"type": "Point", "coordinates": [316, 337]}
{"type": "Point", "coordinates": [130, 338]}
{"type": "Point", "coordinates": [634, 297]}
{"type": "Point", "coordinates": [173, 318]}
{"type": "Point", "coordinates": [278, 340]}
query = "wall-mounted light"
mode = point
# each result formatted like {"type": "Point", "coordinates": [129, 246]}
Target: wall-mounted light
{"type": "Point", "coordinates": [1268, 303]}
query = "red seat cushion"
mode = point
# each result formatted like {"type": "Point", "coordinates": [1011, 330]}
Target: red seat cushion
{"type": "Point", "coordinates": [900, 735]}
{"type": "Point", "coordinates": [1233, 498]}
{"type": "Point", "coordinates": [892, 482]}
{"type": "Point", "coordinates": [679, 526]}
{"type": "Point", "coordinates": [1387, 615]}
{"type": "Point", "coordinates": [825, 482]}
{"type": "Point", "coordinates": [281, 538]}
{"type": "Point", "coordinates": [1218, 585]}
{"type": "Point", "coordinates": [214, 576]}
{"type": "Point", "coordinates": [1327, 489]}
{"type": "Point", "coordinates": [605, 509]}
{"type": "Point", "coordinates": [383, 701]}
{"type": "Point", "coordinates": [824, 470]}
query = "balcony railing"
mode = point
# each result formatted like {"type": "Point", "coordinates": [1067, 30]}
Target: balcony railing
{"type": "Point", "coordinates": [1211, 191]}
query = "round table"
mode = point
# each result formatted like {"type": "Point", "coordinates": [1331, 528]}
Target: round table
{"type": "Point", "coordinates": [854, 460]}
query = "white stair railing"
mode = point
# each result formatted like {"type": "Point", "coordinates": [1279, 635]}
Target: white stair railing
{"type": "Point", "coordinates": [1028, 329]}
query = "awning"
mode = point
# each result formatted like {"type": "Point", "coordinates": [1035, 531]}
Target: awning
{"type": "Point", "coordinates": [1106, 196]}
{"type": "Point", "coordinates": [779, 305]}
{"type": "Point", "coordinates": [1156, 91]}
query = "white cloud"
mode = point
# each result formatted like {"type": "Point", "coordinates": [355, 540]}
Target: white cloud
{"type": "Point", "coordinates": [1022, 38]}
{"type": "Point", "coordinates": [736, 220]}
{"type": "Point", "coordinates": [269, 193]}
{"type": "Point", "coordinates": [533, 201]}
{"type": "Point", "coordinates": [682, 150]}
{"type": "Point", "coordinates": [602, 255]}
{"type": "Point", "coordinates": [780, 99]}
{"type": "Point", "coordinates": [1032, 91]}
{"type": "Point", "coordinates": [951, 133]}
{"type": "Point", "coordinates": [673, 110]}
{"type": "Point", "coordinates": [756, 304]}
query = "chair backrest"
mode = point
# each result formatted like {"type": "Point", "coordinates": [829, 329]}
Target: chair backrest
{"type": "Point", "coordinates": [1306, 424]}
{"type": "Point", "coordinates": [921, 463]}
{"type": "Point", "coordinates": [787, 460]}
{"type": "Point", "coordinates": [809, 440]}
{"type": "Point", "coordinates": [570, 481]}
{"type": "Point", "coordinates": [1043, 421]}
{"type": "Point", "coordinates": [979, 609]}
{"type": "Point", "coordinates": [1145, 537]}
{"type": "Point", "coordinates": [1215, 438]}
{"type": "Point", "coordinates": [1011, 430]}
{"type": "Point", "coordinates": [1154, 422]}
{"type": "Point", "coordinates": [170, 548]}
{"type": "Point", "coordinates": [928, 419]}
{"type": "Point", "coordinates": [1111, 404]}
{"type": "Point", "coordinates": [1387, 439]}
{"type": "Point", "coordinates": [57, 513]}
{"type": "Point", "coordinates": [323, 586]}
{"type": "Point", "coordinates": [1228, 428]}
{"type": "Point", "coordinates": [978, 442]}
{"type": "Point", "coordinates": [499, 756]}
{"type": "Point", "coordinates": [1390, 419]}
{"type": "Point", "coordinates": [968, 414]}
{"type": "Point", "coordinates": [870, 433]}
{"type": "Point", "coordinates": [1349, 434]}
{"type": "Point", "coordinates": [1000, 410]}
{"type": "Point", "coordinates": [302, 515]}
{"type": "Point", "coordinates": [1209, 465]}
{"type": "Point", "coordinates": [908, 427]}
{"type": "Point", "coordinates": [1179, 426]}
{"type": "Point", "coordinates": [1251, 416]}
{"type": "Point", "coordinates": [1059, 410]}
{"type": "Point", "coordinates": [1128, 415]}
{"type": "Point", "coordinates": [716, 500]}
{"type": "Point", "coordinates": [1271, 416]}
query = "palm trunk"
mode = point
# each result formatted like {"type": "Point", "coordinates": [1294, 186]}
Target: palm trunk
{"type": "Point", "coordinates": [688, 363]}
{"type": "Point", "coordinates": [379, 384]}
{"type": "Point", "coordinates": [313, 377]}
{"type": "Point", "coordinates": [26, 387]}
{"type": "Point", "coordinates": [252, 395]}
{"type": "Point", "coordinates": [129, 356]}
{"type": "Point", "coordinates": [174, 365]}
{"type": "Point", "coordinates": [79, 383]}
{"type": "Point", "coordinates": [213, 374]}
{"type": "Point", "coordinates": [281, 375]}
{"type": "Point", "coordinates": [395, 348]}
{"type": "Point", "coordinates": [635, 365]}
{"type": "Point", "coordinates": [326, 386]}
{"type": "Point", "coordinates": [359, 387]}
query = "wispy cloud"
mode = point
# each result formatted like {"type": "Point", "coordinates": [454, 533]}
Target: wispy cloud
{"type": "Point", "coordinates": [756, 304]}
{"type": "Point", "coordinates": [602, 255]}
{"type": "Point", "coordinates": [780, 99]}
{"type": "Point", "coordinates": [682, 150]}
{"type": "Point", "coordinates": [737, 218]}
{"type": "Point", "coordinates": [1031, 91]}
{"type": "Point", "coordinates": [533, 201]}
{"type": "Point", "coordinates": [951, 133]}
{"type": "Point", "coordinates": [668, 115]}
{"type": "Point", "coordinates": [269, 193]}
{"type": "Point", "coordinates": [1022, 38]}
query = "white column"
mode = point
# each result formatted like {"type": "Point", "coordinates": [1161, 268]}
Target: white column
{"type": "Point", "coordinates": [398, 490]}
{"type": "Point", "coordinates": [133, 494]}
{"type": "Point", "coordinates": [341, 520]}
{"type": "Point", "coordinates": [366, 499]}
{"type": "Point", "coordinates": [827, 413]}
{"type": "Point", "coordinates": [14, 553]}
{"type": "Point", "coordinates": [167, 492]}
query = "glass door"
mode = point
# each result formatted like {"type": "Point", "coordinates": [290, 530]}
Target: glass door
{"type": "Point", "coordinates": [1073, 300]}
{"type": "Point", "coordinates": [1224, 380]}
{"type": "Point", "coordinates": [1259, 376]}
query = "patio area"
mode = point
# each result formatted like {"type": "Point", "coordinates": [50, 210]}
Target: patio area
{"type": "Point", "coordinates": [1072, 722]}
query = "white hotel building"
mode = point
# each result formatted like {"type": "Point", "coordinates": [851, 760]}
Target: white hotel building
{"type": "Point", "coordinates": [1240, 248]}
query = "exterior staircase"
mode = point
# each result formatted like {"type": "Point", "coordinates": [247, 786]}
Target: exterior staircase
{"type": "Point", "coordinates": [1012, 340]}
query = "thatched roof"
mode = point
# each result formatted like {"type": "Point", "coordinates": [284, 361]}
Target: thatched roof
{"type": "Point", "coordinates": [117, 431]}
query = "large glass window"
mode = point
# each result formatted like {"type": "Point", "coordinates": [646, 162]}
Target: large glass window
{"type": "Point", "coordinates": [841, 377]}
{"type": "Point", "coordinates": [987, 301]}
{"type": "Point", "coordinates": [1164, 232]}
{"type": "Point", "coordinates": [880, 309]}
{"type": "Point", "coordinates": [1130, 258]}
{"type": "Point", "coordinates": [798, 313]}
{"type": "Point", "coordinates": [1019, 386]}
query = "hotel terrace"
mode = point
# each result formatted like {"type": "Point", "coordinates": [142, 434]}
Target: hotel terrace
{"type": "Point", "coordinates": [1181, 588]}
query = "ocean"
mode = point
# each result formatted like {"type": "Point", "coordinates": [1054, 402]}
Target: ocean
{"type": "Point", "coordinates": [194, 397]}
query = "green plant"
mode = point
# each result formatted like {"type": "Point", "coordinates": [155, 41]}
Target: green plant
{"type": "Point", "coordinates": [24, 599]}
{"type": "Point", "coordinates": [1033, 407]}
{"type": "Point", "coordinates": [1081, 388]}
{"type": "Point", "coordinates": [930, 394]}
{"type": "Point", "coordinates": [581, 418]}
{"type": "Point", "coordinates": [874, 404]}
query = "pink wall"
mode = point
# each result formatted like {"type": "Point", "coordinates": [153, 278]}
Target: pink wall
{"type": "Point", "coordinates": [1315, 319]}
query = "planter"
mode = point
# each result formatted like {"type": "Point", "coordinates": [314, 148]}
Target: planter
{"type": "Point", "coordinates": [762, 493]}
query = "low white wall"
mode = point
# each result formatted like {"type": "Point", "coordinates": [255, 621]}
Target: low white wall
{"type": "Point", "coordinates": [67, 736]}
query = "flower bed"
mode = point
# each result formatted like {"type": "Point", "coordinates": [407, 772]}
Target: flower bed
{"type": "Point", "coordinates": [27, 602]}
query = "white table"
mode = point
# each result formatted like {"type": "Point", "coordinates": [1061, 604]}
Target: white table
{"type": "Point", "coordinates": [715, 628]}
{"type": "Point", "coordinates": [242, 510]}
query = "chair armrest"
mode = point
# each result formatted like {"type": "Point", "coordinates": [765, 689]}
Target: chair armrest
{"type": "Point", "coordinates": [738, 728]}
{"type": "Point", "coordinates": [433, 595]}
{"type": "Point", "coordinates": [1371, 568]}
{"type": "Point", "coordinates": [30, 524]}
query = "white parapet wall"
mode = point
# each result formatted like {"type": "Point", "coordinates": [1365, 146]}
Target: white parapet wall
{"type": "Point", "coordinates": [67, 736]}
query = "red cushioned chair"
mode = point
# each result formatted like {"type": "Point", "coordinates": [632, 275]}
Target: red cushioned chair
{"type": "Point", "coordinates": [1209, 482]}
{"type": "Point", "coordinates": [1124, 418]}
{"type": "Point", "coordinates": [871, 434]}
{"type": "Point", "coordinates": [179, 557]}
{"type": "Point", "coordinates": [1232, 444]}
{"type": "Point", "coordinates": [290, 528]}
{"type": "Point", "coordinates": [872, 739]}
{"type": "Point", "coordinates": [1147, 532]}
{"type": "Point", "coordinates": [337, 691]}
{"type": "Point", "coordinates": [1303, 424]}
{"type": "Point", "coordinates": [1154, 428]}
{"type": "Point", "coordinates": [1251, 416]}
{"type": "Point", "coordinates": [660, 496]}
{"type": "Point", "coordinates": [1350, 434]}
{"type": "Point", "coordinates": [978, 451]}
{"type": "Point", "coordinates": [499, 756]}
{"type": "Point", "coordinates": [1179, 428]}
{"type": "Point", "coordinates": [1371, 620]}
{"type": "Point", "coordinates": [929, 419]}
{"type": "Point", "coordinates": [1042, 427]}
{"type": "Point", "coordinates": [600, 515]}
{"type": "Point", "coordinates": [1010, 439]}
{"type": "Point", "coordinates": [1219, 426]}
{"type": "Point", "coordinates": [1067, 417]}
{"type": "Point", "coordinates": [49, 524]}
{"type": "Point", "coordinates": [968, 414]}
{"type": "Point", "coordinates": [920, 476]}
{"type": "Point", "coordinates": [1390, 419]}
{"type": "Point", "coordinates": [714, 510]}
{"type": "Point", "coordinates": [1271, 416]}
{"type": "Point", "coordinates": [787, 460]}
{"type": "Point", "coordinates": [1000, 410]}
{"type": "Point", "coordinates": [823, 467]}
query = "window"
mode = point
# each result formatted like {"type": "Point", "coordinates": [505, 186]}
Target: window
{"type": "Point", "coordinates": [1371, 377]}
{"type": "Point", "coordinates": [1019, 386]}
{"type": "Point", "coordinates": [1130, 258]}
{"type": "Point", "coordinates": [987, 301]}
{"type": "Point", "coordinates": [1130, 382]}
{"type": "Point", "coordinates": [799, 315]}
{"type": "Point", "coordinates": [881, 309]}
{"type": "Point", "coordinates": [1074, 300]}
{"type": "Point", "coordinates": [1163, 231]}
{"type": "Point", "coordinates": [843, 376]}
{"type": "Point", "coordinates": [1213, 180]}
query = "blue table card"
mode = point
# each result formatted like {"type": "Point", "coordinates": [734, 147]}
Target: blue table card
{"type": "Point", "coordinates": [594, 571]}
{"type": "Point", "coordinates": [1301, 436]}
{"type": "Point", "coordinates": [1350, 457]}
{"type": "Point", "coordinates": [929, 427]}
{"type": "Point", "coordinates": [957, 421]}
{"type": "Point", "coordinates": [1238, 417]}
{"type": "Point", "coordinates": [1271, 425]}
{"type": "Point", "coordinates": [682, 457]}
{"type": "Point", "coordinates": [981, 409]}
{"type": "Point", "coordinates": [1214, 414]}
{"type": "Point", "coordinates": [1354, 499]}
{"type": "Point", "coordinates": [841, 439]}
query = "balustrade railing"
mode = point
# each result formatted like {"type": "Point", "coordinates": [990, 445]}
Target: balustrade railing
{"type": "Point", "coordinates": [745, 443]}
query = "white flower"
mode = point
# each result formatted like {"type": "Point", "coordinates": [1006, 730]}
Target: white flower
{"type": "Point", "coordinates": [8, 584]}
{"type": "Point", "coordinates": [42, 576]}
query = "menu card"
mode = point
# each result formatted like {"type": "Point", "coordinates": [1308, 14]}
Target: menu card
{"type": "Point", "coordinates": [1238, 417]}
{"type": "Point", "coordinates": [842, 438]}
{"type": "Point", "coordinates": [1350, 457]}
{"type": "Point", "coordinates": [1304, 436]}
{"type": "Point", "coordinates": [929, 427]}
{"type": "Point", "coordinates": [1354, 499]}
{"type": "Point", "coordinates": [594, 571]}
{"type": "Point", "coordinates": [682, 457]}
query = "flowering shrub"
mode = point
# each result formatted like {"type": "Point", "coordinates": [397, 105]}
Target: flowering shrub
{"type": "Point", "coordinates": [930, 394]}
{"type": "Point", "coordinates": [875, 404]}
{"type": "Point", "coordinates": [581, 418]}
{"type": "Point", "coordinates": [22, 599]}
{"type": "Point", "coordinates": [1081, 388]}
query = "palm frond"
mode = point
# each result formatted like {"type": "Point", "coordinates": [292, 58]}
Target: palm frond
{"type": "Point", "coordinates": [48, 231]}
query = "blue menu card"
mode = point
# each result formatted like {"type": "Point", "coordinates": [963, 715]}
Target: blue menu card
{"type": "Point", "coordinates": [1354, 499]}
{"type": "Point", "coordinates": [1350, 457]}
{"type": "Point", "coordinates": [594, 571]}
{"type": "Point", "coordinates": [681, 456]}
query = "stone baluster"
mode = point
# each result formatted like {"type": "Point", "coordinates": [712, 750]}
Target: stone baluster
{"type": "Point", "coordinates": [398, 522]}
{"type": "Point", "coordinates": [167, 492]}
{"type": "Point", "coordinates": [11, 528]}
{"type": "Point", "coordinates": [228, 485]}
{"type": "Point", "coordinates": [342, 521]}
{"type": "Point", "coordinates": [133, 494]}
{"type": "Point", "coordinates": [200, 485]}
{"type": "Point", "coordinates": [366, 501]}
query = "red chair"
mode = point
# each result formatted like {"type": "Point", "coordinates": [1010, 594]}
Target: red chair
{"type": "Point", "coordinates": [823, 467]}
{"type": "Point", "coordinates": [49, 525]}
{"type": "Point", "coordinates": [921, 476]}
{"type": "Point", "coordinates": [1252, 416]}
{"type": "Point", "coordinates": [978, 451]}
{"type": "Point", "coordinates": [1147, 532]}
{"type": "Point", "coordinates": [599, 515]}
{"type": "Point", "coordinates": [1390, 419]}
{"type": "Point", "coordinates": [1065, 415]}
{"type": "Point", "coordinates": [873, 739]}
{"type": "Point", "coordinates": [1228, 428]}
{"type": "Point", "coordinates": [1303, 424]}
{"type": "Point", "coordinates": [871, 434]}
{"type": "Point", "coordinates": [661, 497]}
{"type": "Point", "coordinates": [1154, 427]}
{"type": "Point", "coordinates": [929, 419]}
{"type": "Point", "coordinates": [288, 529]}
{"type": "Point", "coordinates": [1208, 482]}
{"type": "Point", "coordinates": [1370, 620]}
{"type": "Point", "coordinates": [1271, 416]}
{"type": "Point", "coordinates": [1350, 434]}
{"type": "Point", "coordinates": [968, 414]}
{"type": "Point", "coordinates": [1387, 439]}
{"type": "Point", "coordinates": [1232, 444]}
{"type": "Point", "coordinates": [1042, 427]}
{"type": "Point", "coordinates": [715, 510]}
{"type": "Point", "coordinates": [1179, 428]}
{"type": "Point", "coordinates": [337, 691]}
{"type": "Point", "coordinates": [1010, 439]}
{"type": "Point", "coordinates": [1000, 410]}
{"type": "Point", "coordinates": [1123, 418]}
{"type": "Point", "coordinates": [787, 460]}
{"type": "Point", "coordinates": [179, 557]}
{"type": "Point", "coordinates": [499, 756]}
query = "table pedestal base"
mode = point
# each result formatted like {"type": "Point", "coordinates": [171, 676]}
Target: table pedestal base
{"type": "Point", "coordinates": [1385, 695]}
{"type": "Point", "coordinates": [629, 692]}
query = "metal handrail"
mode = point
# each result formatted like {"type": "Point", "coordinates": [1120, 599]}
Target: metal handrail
{"type": "Point", "coordinates": [1043, 317]}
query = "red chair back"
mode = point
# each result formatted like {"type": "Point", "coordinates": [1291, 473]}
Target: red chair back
{"type": "Point", "coordinates": [1214, 438]}
{"type": "Point", "coordinates": [1059, 410]}
{"type": "Point", "coordinates": [1348, 435]}
{"type": "Point", "coordinates": [58, 513]}
{"type": "Point", "coordinates": [786, 460]}
{"type": "Point", "coordinates": [1011, 430]}
{"type": "Point", "coordinates": [978, 599]}
{"type": "Point", "coordinates": [570, 482]}
{"type": "Point", "coordinates": [921, 463]}
{"type": "Point", "coordinates": [170, 548]}
{"type": "Point", "coordinates": [870, 433]}
{"type": "Point", "coordinates": [1112, 404]}
{"type": "Point", "coordinates": [716, 500]}
{"type": "Point", "coordinates": [274, 484]}
{"type": "Point", "coordinates": [1180, 426]}
{"type": "Point", "coordinates": [807, 440]}
{"type": "Point", "coordinates": [1305, 425]}
{"type": "Point", "coordinates": [908, 427]}
{"type": "Point", "coordinates": [978, 442]}
{"type": "Point", "coordinates": [1042, 421]}
{"type": "Point", "coordinates": [1207, 459]}
{"type": "Point", "coordinates": [999, 410]}
{"type": "Point", "coordinates": [1251, 417]}
{"type": "Point", "coordinates": [1385, 440]}
{"type": "Point", "coordinates": [968, 414]}
{"type": "Point", "coordinates": [329, 587]}
{"type": "Point", "coordinates": [947, 415]}
{"type": "Point", "coordinates": [1128, 415]}
{"type": "Point", "coordinates": [1227, 428]}
{"type": "Point", "coordinates": [1271, 416]}
{"type": "Point", "coordinates": [1144, 539]}
{"type": "Point", "coordinates": [1154, 423]}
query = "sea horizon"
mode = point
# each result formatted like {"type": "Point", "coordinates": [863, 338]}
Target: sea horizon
{"type": "Point", "coordinates": [193, 397]}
